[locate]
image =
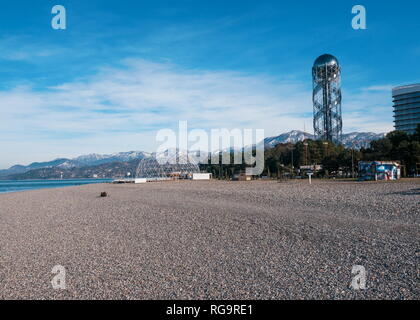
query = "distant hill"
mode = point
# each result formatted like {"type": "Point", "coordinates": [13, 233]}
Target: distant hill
{"type": "Point", "coordinates": [118, 164]}
{"type": "Point", "coordinates": [33, 166]}
{"type": "Point", "coordinates": [110, 170]}
{"type": "Point", "coordinates": [79, 162]}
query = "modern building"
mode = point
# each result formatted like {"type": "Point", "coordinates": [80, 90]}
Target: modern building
{"type": "Point", "coordinates": [406, 107]}
{"type": "Point", "coordinates": [326, 78]}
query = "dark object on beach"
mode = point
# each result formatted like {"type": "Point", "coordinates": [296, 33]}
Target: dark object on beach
{"type": "Point", "coordinates": [104, 194]}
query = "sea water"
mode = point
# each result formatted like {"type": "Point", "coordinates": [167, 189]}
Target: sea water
{"type": "Point", "coordinates": [24, 185]}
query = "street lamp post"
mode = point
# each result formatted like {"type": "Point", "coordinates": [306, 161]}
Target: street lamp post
{"type": "Point", "coordinates": [310, 177]}
{"type": "Point", "coordinates": [352, 160]}
{"type": "Point", "coordinates": [325, 143]}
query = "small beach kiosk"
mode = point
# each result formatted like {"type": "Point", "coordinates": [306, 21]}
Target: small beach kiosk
{"type": "Point", "coordinates": [379, 170]}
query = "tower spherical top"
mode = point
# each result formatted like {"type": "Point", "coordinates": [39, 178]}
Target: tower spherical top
{"type": "Point", "coordinates": [325, 59]}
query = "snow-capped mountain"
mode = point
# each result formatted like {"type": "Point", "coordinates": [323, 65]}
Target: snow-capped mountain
{"type": "Point", "coordinates": [96, 159]}
{"type": "Point", "coordinates": [361, 139]}
{"type": "Point", "coordinates": [350, 140]}
{"type": "Point", "coordinates": [355, 140]}
{"type": "Point", "coordinates": [289, 137]}
{"type": "Point", "coordinates": [181, 155]}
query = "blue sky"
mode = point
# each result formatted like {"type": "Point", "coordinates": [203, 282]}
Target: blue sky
{"type": "Point", "coordinates": [124, 69]}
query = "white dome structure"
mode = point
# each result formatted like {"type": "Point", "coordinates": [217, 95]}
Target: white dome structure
{"type": "Point", "coordinates": [167, 167]}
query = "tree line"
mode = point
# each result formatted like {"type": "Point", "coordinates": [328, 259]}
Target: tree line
{"type": "Point", "coordinates": [284, 160]}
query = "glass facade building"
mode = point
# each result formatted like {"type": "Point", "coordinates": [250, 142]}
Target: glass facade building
{"type": "Point", "coordinates": [407, 107]}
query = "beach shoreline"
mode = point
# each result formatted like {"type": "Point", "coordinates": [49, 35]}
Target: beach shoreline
{"type": "Point", "coordinates": [10, 186]}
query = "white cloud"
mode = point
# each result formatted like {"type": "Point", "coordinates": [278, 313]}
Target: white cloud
{"type": "Point", "coordinates": [20, 48]}
{"type": "Point", "coordinates": [368, 109]}
{"type": "Point", "coordinates": [386, 88]}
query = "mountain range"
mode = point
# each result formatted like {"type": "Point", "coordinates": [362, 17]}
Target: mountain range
{"type": "Point", "coordinates": [117, 164]}
{"type": "Point", "coordinates": [63, 164]}
{"type": "Point", "coordinates": [356, 140]}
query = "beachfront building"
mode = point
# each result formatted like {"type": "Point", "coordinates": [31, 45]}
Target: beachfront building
{"type": "Point", "coordinates": [379, 170]}
{"type": "Point", "coordinates": [407, 107]}
{"type": "Point", "coordinates": [201, 176]}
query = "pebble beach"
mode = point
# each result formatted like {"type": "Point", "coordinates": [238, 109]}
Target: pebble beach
{"type": "Point", "coordinates": [212, 240]}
